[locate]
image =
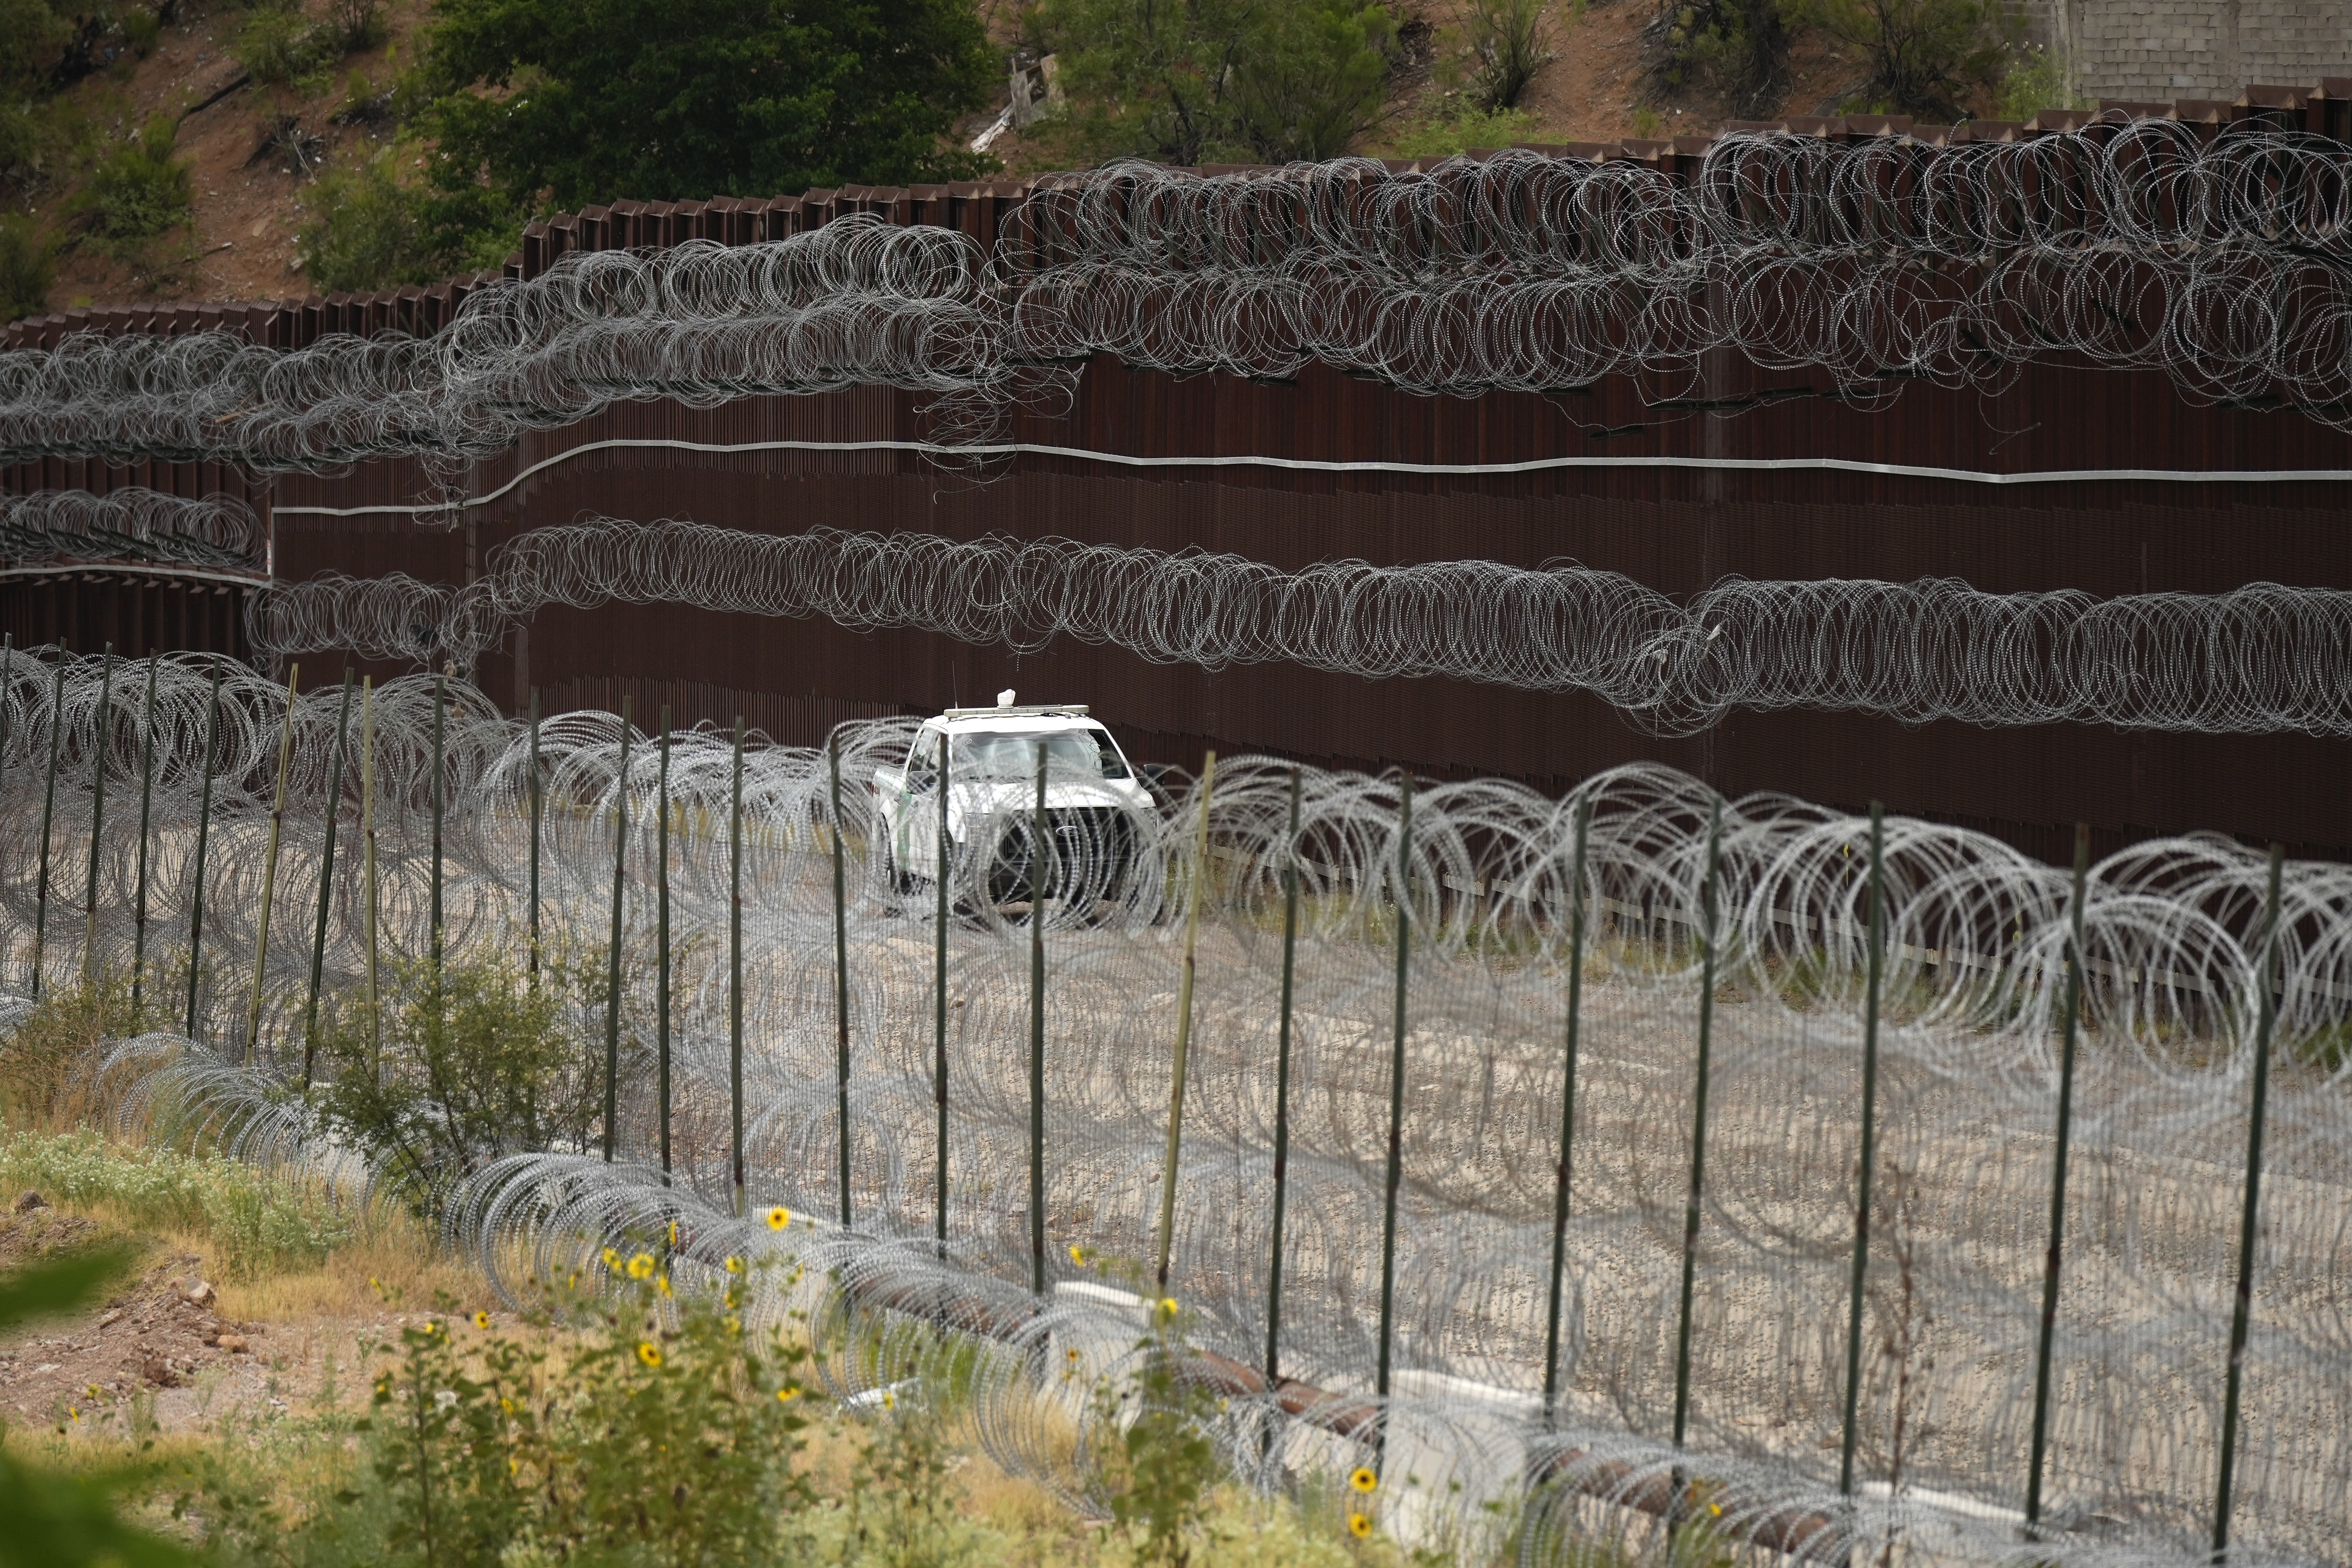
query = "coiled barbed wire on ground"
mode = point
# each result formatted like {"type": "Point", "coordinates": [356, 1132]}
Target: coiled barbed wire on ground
{"type": "Point", "coordinates": [2176, 951]}
{"type": "Point", "coordinates": [129, 525]}
{"type": "Point", "coordinates": [2129, 246]}
{"type": "Point", "coordinates": [2259, 659]}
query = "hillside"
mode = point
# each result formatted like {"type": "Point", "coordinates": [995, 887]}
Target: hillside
{"type": "Point", "coordinates": [241, 141]}
{"type": "Point", "coordinates": [257, 151]}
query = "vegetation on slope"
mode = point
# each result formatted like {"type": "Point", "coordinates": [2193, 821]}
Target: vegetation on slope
{"type": "Point", "coordinates": [224, 149]}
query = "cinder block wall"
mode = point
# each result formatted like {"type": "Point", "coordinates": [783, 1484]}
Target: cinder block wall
{"type": "Point", "coordinates": [2196, 48]}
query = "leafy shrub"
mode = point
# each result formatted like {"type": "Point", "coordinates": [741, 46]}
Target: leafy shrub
{"type": "Point", "coordinates": [367, 231]}
{"type": "Point", "coordinates": [364, 103]}
{"type": "Point", "coordinates": [141, 190]}
{"type": "Point", "coordinates": [723, 98]}
{"type": "Point", "coordinates": [1163, 1480]}
{"type": "Point", "coordinates": [1511, 42]}
{"type": "Point", "coordinates": [259, 1222]}
{"type": "Point", "coordinates": [901, 1507]}
{"type": "Point", "coordinates": [1926, 58]}
{"type": "Point", "coordinates": [1223, 80]}
{"type": "Point", "coordinates": [142, 28]}
{"type": "Point", "coordinates": [1445, 136]}
{"type": "Point", "coordinates": [29, 268]}
{"type": "Point", "coordinates": [1739, 49]}
{"type": "Point", "coordinates": [277, 44]}
{"type": "Point", "coordinates": [2035, 80]}
{"type": "Point", "coordinates": [49, 1062]}
{"type": "Point", "coordinates": [670, 1437]}
{"type": "Point", "coordinates": [358, 24]}
{"type": "Point", "coordinates": [469, 1064]}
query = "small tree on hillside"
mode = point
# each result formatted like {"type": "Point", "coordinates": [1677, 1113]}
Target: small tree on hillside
{"type": "Point", "coordinates": [1925, 58]}
{"type": "Point", "coordinates": [1188, 81]}
{"type": "Point", "coordinates": [1738, 47]}
{"type": "Point", "coordinates": [549, 104]}
{"type": "Point", "coordinates": [1511, 41]}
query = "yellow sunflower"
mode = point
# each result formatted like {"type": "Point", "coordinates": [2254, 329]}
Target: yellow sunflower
{"type": "Point", "coordinates": [641, 1265]}
{"type": "Point", "coordinates": [650, 1353]}
{"type": "Point", "coordinates": [481, 1320]}
{"type": "Point", "coordinates": [1359, 1525]}
{"type": "Point", "coordinates": [779, 1217]}
{"type": "Point", "coordinates": [1363, 1481]}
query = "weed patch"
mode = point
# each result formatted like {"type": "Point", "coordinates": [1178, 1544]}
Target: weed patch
{"type": "Point", "coordinates": [260, 1223]}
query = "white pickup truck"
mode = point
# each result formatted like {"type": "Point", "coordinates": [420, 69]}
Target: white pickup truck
{"type": "Point", "coordinates": [1102, 820]}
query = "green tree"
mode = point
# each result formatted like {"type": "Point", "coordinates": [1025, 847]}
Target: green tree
{"type": "Point", "coordinates": [2035, 79]}
{"type": "Point", "coordinates": [30, 34]}
{"type": "Point", "coordinates": [549, 104]}
{"type": "Point", "coordinates": [29, 265]}
{"type": "Point", "coordinates": [1511, 42]}
{"type": "Point", "coordinates": [1193, 80]}
{"type": "Point", "coordinates": [140, 191]}
{"type": "Point", "coordinates": [465, 1065]}
{"type": "Point", "coordinates": [370, 231]}
{"type": "Point", "coordinates": [1926, 57]}
{"type": "Point", "coordinates": [1739, 48]}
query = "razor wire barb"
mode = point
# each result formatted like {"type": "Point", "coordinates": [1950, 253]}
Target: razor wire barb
{"type": "Point", "coordinates": [1974, 948]}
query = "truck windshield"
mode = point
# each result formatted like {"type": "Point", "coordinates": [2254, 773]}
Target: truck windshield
{"type": "Point", "coordinates": [1002, 754]}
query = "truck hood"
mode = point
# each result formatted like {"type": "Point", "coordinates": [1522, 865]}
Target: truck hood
{"type": "Point", "coordinates": [995, 797]}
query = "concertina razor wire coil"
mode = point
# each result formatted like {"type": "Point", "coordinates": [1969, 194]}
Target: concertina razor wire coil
{"type": "Point", "coordinates": [1766, 897]}
{"type": "Point", "coordinates": [2129, 245]}
{"type": "Point", "coordinates": [2259, 659]}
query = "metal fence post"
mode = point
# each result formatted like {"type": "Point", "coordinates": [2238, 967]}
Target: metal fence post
{"type": "Point", "coordinates": [613, 953]}
{"type": "Point", "coordinates": [537, 797]}
{"type": "Point", "coordinates": [1875, 972]}
{"type": "Point", "coordinates": [2266, 1018]}
{"type": "Point", "coordinates": [1567, 1103]}
{"type": "Point", "coordinates": [1168, 1170]}
{"type": "Point", "coordinates": [204, 840]}
{"type": "Point", "coordinates": [840, 970]}
{"type": "Point", "coordinates": [939, 989]}
{"type": "Point", "coordinates": [373, 891]}
{"type": "Point", "coordinates": [326, 884]}
{"type": "Point", "coordinates": [1396, 1079]}
{"type": "Point", "coordinates": [735, 973]}
{"type": "Point", "coordinates": [1699, 1119]}
{"type": "Point", "coordinates": [102, 737]}
{"type": "Point", "coordinates": [661, 940]}
{"type": "Point", "coordinates": [2069, 1028]}
{"type": "Point", "coordinates": [1038, 841]}
{"type": "Point", "coordinates": [433, 930]}
{"type": "Point", "coordinates": [1282, 1091]}
{"type": "Point", "coordinates": [270, 869]}
{"type": "Point", "coordinates": [146, 818]}
{"type": "Point", "coordinates": [48, 817]}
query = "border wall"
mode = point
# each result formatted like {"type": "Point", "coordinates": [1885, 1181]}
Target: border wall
{"type": "Point", "coordinates": [2107, 482]}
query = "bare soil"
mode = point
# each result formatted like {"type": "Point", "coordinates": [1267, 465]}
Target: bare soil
{"type": "Point", "coordinates": [159, 1337]}
{"type": "Point", "coordinates": [247, 209]}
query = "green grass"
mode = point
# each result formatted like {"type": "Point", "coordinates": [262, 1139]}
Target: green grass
{"type": "Point", "coordinates": [259, 1222]}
